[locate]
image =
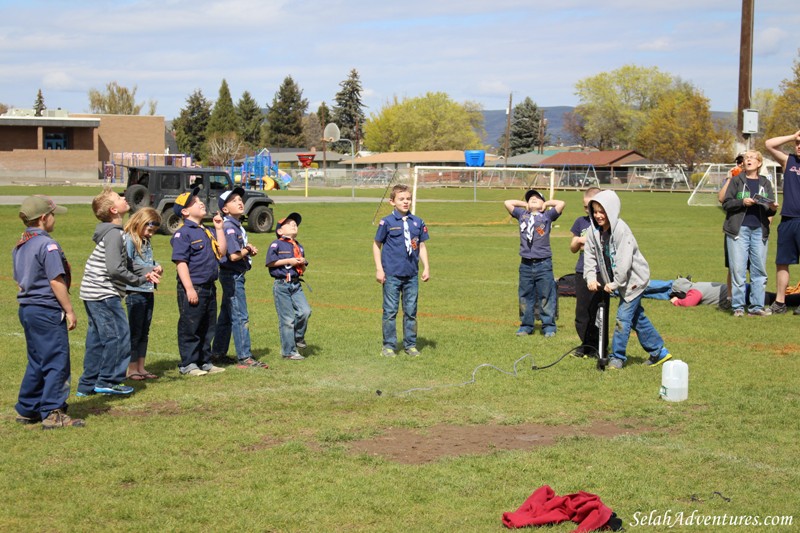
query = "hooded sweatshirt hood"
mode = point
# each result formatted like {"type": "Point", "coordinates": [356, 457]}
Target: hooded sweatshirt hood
{"type": "Point", "coordinates": [610, 203]}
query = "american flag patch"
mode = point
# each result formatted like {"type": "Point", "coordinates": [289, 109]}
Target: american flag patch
{"type": "Point", "coordinates": [382, 222]}
{"type": "Point", "coordinates": [230, 231]}
{"type": "Point", "coordinates": [273, 245]}
{"type": "Point", "coordinates": [177, 234]}
{"type": "Point", "coordinates": [52, 246]}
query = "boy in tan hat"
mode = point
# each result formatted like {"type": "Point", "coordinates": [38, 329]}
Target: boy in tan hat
{"type": "Point", "coordinates": [43, 275]}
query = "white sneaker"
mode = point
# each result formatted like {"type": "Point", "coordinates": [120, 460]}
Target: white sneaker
{"type": "Point", "coordinates": [214, 370]}
{"type": "Point", "coordinates": [196, 372]}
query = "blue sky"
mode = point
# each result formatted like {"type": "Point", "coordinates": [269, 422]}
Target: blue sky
{"type": "Point", "coordinates": [476, 50]}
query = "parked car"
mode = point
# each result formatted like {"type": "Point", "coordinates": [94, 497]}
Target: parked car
{"type": "Point", "coordinates": [158, 187]}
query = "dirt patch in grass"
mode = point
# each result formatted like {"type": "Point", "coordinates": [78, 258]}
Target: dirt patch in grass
{"type": "Point", "coordinates": [423, 446]}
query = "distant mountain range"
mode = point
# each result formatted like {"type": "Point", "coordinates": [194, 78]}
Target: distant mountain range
{"type": "Point", "coordinates": [494, 122]}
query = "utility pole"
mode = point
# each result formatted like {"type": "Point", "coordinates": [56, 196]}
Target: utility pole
{"type": "Point", "coordinates": [745, 63]}
{"type": "Point", "coordinates": [508, 127]}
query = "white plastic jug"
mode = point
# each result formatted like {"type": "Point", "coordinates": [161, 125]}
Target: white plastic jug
{"type": "Point", "coordinates": [675, 381]}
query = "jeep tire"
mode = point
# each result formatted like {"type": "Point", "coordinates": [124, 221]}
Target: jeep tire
{"type": "Point", "coordinates": [259, 220]}
{"type": "Point", "coordinates": [138, 197]}
{"type": "Point", "coordinates": [170, 222]}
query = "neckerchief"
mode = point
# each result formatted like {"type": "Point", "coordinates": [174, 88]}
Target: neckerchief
{"type": "Point", "coordinates": [214, 243]}
{"type": "Point", "coordinates": [28, 235]}
{"type": "Point", "coordinates": [296, 253]}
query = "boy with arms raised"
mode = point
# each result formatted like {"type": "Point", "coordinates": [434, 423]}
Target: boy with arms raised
{"type": "Point", "coordinates": [108, 271]}
{"type": "Point", "coordinates": [612, 250]}
{"type": "Point", "coordinates": [536, 281]}
{"type": "Point", "coordinates": [233, 315]}
{"type": "Point", "coordinates": [43, 276]}
{"type": "Point", "coordinates": [398, 248]}
{"type": "Point", "coordinates": [196, 254]}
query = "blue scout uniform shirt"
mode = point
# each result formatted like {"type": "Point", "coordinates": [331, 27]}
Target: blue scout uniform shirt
{"type": "Point", "coordinates": [580, 228]}
{"type": "Point", "coordinates": [38, 259]}
{"type": "Point", "coordinates": [791, 188]}
{"type": "Point", "coordinates": [538, 245]}
{"type": "Point", "coordinates": [236, 239]}
{"type": "Point", "coordinates": [191, 245]}
{"type": "Point", "coordinates": [395, 259]}
{"type": "Point", "coordinates": [282, 249]}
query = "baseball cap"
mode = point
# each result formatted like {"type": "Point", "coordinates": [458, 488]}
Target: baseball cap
{"type": "Point", "coordinates": [228, 195]}
{"type": "Point", "coordinates": [37, 206]}
{"type": "Point", "coordinates": [184, 199]}
{"type": "Point", "coordinates": [533, 192]}
{"type": "Point", "coordinates": [291, 216]}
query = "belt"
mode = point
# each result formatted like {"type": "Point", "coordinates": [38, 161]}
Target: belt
{"type": "Point", "coordinates": [528, 261]}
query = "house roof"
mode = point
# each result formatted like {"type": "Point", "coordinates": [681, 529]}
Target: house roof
{"type": "Point", "coordinates": [452, 157]}
{"type": "Point", "coordinates": [608, 158]}
{"type": "Point", "coordinates": [530, 158]}
{"type": "Point", "coordinates": [52, 122]}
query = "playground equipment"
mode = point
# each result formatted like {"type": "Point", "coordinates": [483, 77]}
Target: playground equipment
{"type": "Point", "coordinates": [305, 161]}
{"type": "Point", "coordinates": [260, 172]}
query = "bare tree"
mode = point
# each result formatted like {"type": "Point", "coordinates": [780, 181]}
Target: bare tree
{"type": "Point", "coordinates": [222, 148]}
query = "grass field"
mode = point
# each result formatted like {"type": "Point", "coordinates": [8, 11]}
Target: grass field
{"type": "Point", "coordinates": [283, 449]}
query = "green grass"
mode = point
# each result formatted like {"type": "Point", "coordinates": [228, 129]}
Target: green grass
{"type": "Point", "coordinates": [269, 450]}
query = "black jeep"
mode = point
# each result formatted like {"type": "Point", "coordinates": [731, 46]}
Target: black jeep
{"type": "Point", "coordinates": [157, 187]}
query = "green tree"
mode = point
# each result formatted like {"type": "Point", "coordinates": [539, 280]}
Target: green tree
{"type": "Point", "coordinates": [191, 124]}
{"type": "Point", "coordinates": [3, 109]}
{"type": "Point", "coordinates": [38, 105]}
{"type": "Point", "coordinates": [614, 105]}
{"type": "Point", "coordinates": [284, 127]}
{"type": "Point", "coordinates": [785, 115]}
{"type": "Point", "coordinates": [526, 121]}
{"type": "Point", "coordinates": [323, 114]}
{"type": "Point", "coordinates": [250, 118]}
{"type": "Point", "coordinates": [223, 116]}
{"type": "Point", "coordinates": [348, 111]}
{"type": "Point", "coordinates": [430, 122]}
{"type": "Point", "coordinates": [117, 100]}
{"type": "Point", "coordinates": [680, 131]}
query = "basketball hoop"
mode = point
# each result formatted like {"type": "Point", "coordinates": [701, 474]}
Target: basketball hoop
{"type": "Point", "coordinates": [306, 159]}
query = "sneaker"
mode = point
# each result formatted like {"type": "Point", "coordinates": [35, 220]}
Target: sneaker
{"type": "Point", "coordinates": [778, 308]}
{"type": "Point", "coordinates": [293, 357]}
{"type": "Point", "coordinates": [388, 352]}
{"type": "Point", "coordinates": [80, 394]}
{"type": "Point", "coordinates": [301, 344]}
{"type": "Point", "coordinates": [27, 420]}
{"type": "Point", "coordinates": [656, 360]}
{"type": "Point", "coordinates": [764, 311]}
{"type": "Point", "coordinates": [413, 352]}
{"type": "Point", "coordinates": [195, 372]}
{"type": "Point", "coordinates": [522, 332]}
{"type": "Point", "coordinates": [251, 363]}
{"type": "Point", "coordinates": [550, 334]}
{"type": "Point", "coordinates": [213, 370]}
{"type": "Point", "coordinates": [222, 359]}
{"type": "Point", "coordinates": [59, 419]}
{"type": "Point", "coordinates": [725, 305]}
{"type": "Point", "coordinates": [615, 364]}
{"type": "Point", "coordinates": [738, 312]}
{"type": "Point", "coordinates": [114, 389]}
{"type": "Point", "coordinates": [796, 311]}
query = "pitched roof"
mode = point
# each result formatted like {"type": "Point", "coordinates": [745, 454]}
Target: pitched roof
{"type": "Point", "coordinates": [453, 157]}
{"type": "Point", "coordinates": [608, 158]}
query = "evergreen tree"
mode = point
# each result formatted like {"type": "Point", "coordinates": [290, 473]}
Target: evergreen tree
{"type": "Point", "coordinates": [39, 106]}
{"type": "Point", "coordinates": [250, 118]}
{"type": "Point", "coordinates": [284, 128]}
{"type": "Point", "coordinates": [348, 113]}
{"type": "Point", "coordinates": [223, 117]}
{"type": "Point", "coordinates": [525, 128]}
{"type": "Point", "coordinates": [191, 124]}
{"type": "Point", "coordinates": [323, 114]}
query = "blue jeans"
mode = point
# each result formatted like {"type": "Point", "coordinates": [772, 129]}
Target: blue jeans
{"type": "Point", "coordinates": [196, 326]}
{"type": "Point", "coordinates": [630, 315]}
{"type": "Point", "coordinates": [233, 316]}
{"type": "Point", "coordinates": [748, 245]}
{"type": "Point", "coordinates": [293, 313]}
{"type": "Point", "coordinates": [393, 287]}
{"type": "Point", "coordinates": [536, 284]}
{"type": "Point", "coordinates": [108, 345]}
{"type": "Point", "coordinates": [45, 386]}
{"type": "Point", "coordinates": [140, 315]}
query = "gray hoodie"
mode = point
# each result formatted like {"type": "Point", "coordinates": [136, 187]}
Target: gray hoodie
{"type": "Point", "coordinates": [109, 269]}
{"type": "Point", "coordinates": [630, 272]}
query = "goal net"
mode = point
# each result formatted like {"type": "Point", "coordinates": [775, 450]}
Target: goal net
{"type": "Point", "coordinates": [475, 178]}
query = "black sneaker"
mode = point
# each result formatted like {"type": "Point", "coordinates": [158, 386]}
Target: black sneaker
{"type": "Point", "coordinates": [778, 308]}
{"type": "Point", "coordinates": [301, 344]}
{"type": "Point", "coordinates": [796, 311]}
{"type": "Point", "coordinates": [26, 420]}
{"type": "Point", "coordinates": [222, 359]}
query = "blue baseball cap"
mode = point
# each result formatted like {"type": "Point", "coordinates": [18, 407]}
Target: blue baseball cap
{"type": "Point", "coordinates": [227, 196]}
{"type": "Point", "coordinates": [184, 200]}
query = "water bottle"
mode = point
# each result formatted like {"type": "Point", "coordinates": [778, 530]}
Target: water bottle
{"type": "Point", "coordinates": [675, 381]}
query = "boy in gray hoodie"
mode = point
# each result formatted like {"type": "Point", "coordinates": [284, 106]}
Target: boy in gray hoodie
{"type": "Point", "coordinates": [611, 250]}
{"type": "Point", "coordinates": [108, 270]}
